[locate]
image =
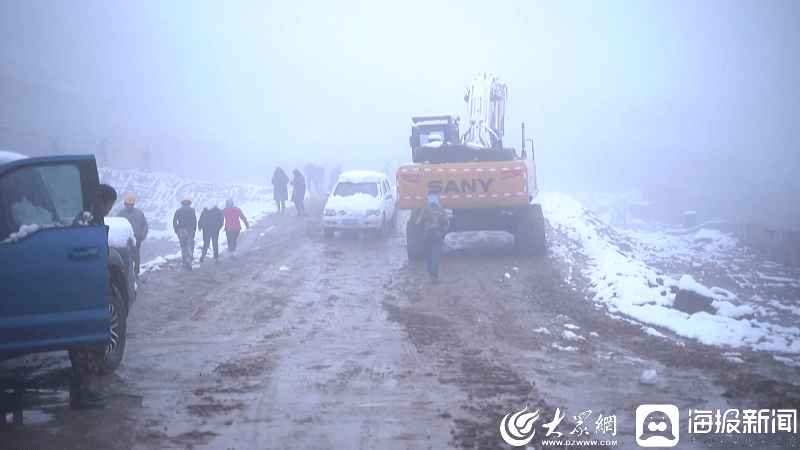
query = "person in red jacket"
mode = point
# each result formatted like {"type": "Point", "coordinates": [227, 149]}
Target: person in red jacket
{"type": "Point", "coordinates": [232, 225]}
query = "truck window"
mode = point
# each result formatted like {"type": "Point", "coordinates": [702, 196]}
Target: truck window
{"type": "Point", "coordinates": [45, 196]}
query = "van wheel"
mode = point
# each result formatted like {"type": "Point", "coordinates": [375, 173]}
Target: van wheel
{"type": "Point", "coordinates": [393, 221]}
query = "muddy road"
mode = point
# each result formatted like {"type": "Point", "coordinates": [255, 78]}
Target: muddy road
{"type": "Point", "coordinates": [301, 342]}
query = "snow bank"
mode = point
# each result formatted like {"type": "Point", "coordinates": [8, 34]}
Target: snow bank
{"type": "Point", "coordinates": [627, 286]}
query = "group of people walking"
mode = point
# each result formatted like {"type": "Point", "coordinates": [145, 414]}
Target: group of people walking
{"type": "Point", "coordinates": [185, 225]}
{"type": "Point", "coordinates": [280, 190]}
{"type": "Point", "coordinates": [185, 222]}
{"type": "Point", "coordinates": [432, 221]}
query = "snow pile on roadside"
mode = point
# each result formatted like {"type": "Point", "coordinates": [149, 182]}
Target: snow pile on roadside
{"type": "Point", "coordinates": [158, 195]}
{"type": "Point", "coordinates": [627, 286]}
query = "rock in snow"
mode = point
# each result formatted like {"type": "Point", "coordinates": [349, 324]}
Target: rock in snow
{"type": "Point", "coordinates": [649, 376]}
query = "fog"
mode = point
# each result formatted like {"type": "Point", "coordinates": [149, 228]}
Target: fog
{"type": "Point", "coordinates": [700, 99]}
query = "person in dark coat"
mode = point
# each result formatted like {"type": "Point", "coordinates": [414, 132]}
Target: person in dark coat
{"type": "Point", "coordinates": [184, 222]}
{"type": "Point", "coordinates": [210, 222]}
{"type": "Point", "coordinates": [140, 227]}
{"type": "Point", "coordinates": [435, 225]}
{"type": "Point", "coordinates": [298, 192]}
{"type": "Point", "coordinates": [86, 358]}
{"type": "Point", "coordinates": [279, 189]}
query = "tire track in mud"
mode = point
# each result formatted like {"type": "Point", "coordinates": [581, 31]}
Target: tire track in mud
{"type": "Point", "coordinates": [215, 320]}
{"type": "Point", "coordinates": [504, 341]}
{"type": "Point", "coordinates": [339, 375]}
{"type": "Point", "coordinates": [469, 326]}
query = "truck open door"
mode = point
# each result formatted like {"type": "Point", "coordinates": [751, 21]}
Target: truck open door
{"type": "Point", "coordinates": [53, 255]}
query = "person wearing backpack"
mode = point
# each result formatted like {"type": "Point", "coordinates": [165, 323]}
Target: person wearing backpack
{"type": "Point", "coordinates": [434, 224]}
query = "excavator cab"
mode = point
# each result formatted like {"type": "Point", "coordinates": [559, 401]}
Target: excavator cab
{"type": "Point", "coordinates": [451, 150]}
{"type": "Point", "coordinates": [445, 127]}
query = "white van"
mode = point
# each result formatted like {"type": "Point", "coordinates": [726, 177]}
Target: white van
{"type": "Point", "coordinates": [361, 200]}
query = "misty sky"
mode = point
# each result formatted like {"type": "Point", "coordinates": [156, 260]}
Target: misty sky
{"type": "Point", "coordinates": [703, 96]}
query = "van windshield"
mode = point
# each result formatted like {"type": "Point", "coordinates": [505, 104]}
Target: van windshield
{"type": "Point", "coordinates": [346, 189]}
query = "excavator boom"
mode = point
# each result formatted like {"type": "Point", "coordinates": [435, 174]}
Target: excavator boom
{"type": "Point", "coordinates": [486, 105]}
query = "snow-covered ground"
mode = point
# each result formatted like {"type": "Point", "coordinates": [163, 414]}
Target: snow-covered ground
{"type": "Point", "coordinates": [622, 266]}
{"type": "Point", "coordinates": [631, 289]}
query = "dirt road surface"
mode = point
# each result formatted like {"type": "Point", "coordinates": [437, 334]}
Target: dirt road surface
{"type": "Point", "coordinates": [301, 342]}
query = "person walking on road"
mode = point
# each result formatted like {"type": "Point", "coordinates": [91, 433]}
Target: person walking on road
{"type": "Point", "coordinates": [184, 222]}
{"type": "Point", "coordinates": [232, 225]}
{"type": "Point", "coordinates": [210, 222]}
{"type": "Point", "coordinates": [298, 192]}
{"type": "Point", "coordinates": [279, 189]}
{"type": "Point", "coordinates": [435, 225]}
{"type": "Point", "coordinates": [139, 224]}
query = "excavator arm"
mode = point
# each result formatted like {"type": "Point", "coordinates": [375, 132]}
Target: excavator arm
{"type": "Point", "coordinates": [486, 104]}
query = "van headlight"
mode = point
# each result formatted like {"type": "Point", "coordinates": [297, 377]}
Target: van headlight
{"type": "Point", "coordinates": [374, 212]}
{"type": "Point", "coordinates": [330, 212]}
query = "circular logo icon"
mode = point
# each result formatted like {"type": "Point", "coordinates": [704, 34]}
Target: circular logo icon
{"type": "Point", "coordinates": [518, 429]}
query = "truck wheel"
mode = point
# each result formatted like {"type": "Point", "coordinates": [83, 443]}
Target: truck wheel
{"type": "Point", "coordinates": [414, 240]}
{"type": "Point", "coordinates": [110, 359]}
{"type": "Point", "coordinates": [329, 233]}
{"type": "Point", "coordinates": [109, 356]}
{"type": "Point", "coordinates": [529, 237]}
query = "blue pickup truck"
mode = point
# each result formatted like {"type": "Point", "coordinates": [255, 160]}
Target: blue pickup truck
{"type": "Point", "coordinates": [66, 278]}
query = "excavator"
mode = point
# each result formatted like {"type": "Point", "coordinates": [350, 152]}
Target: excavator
{"type": "Point", "coordinates": [481, 183]}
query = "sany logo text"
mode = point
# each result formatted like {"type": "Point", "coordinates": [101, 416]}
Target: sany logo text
{"type": "Point", "coordinates": [467, 186]}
